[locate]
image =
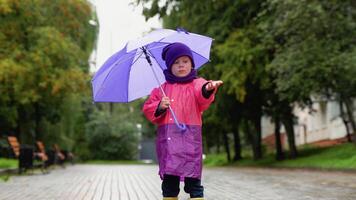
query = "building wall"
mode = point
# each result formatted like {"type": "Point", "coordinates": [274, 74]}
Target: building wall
{"type": "Point", "coordinates": [323, 123]}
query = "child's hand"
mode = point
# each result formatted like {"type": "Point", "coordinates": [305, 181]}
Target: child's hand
{"type": "Point", "coordinates": [165, 102]}
{"type": "Point", "coordinates": [212, 85]}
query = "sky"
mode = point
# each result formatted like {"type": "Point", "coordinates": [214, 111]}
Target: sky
{"type": "Point", "coordinates": [119, 22]}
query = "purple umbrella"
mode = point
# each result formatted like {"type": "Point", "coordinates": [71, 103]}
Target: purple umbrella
{"type": "Point", "coordinates": [135, 70]}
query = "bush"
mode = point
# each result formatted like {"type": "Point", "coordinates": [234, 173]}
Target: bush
{"type": "Point", "coordinates": [111, 137]}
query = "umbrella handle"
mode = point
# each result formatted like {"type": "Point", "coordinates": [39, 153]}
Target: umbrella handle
{"type": "Point", "coordinates": [181, 126]}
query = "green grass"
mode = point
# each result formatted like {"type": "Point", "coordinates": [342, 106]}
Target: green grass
{"type": "Point", "coordinates": [215, 160]}
{"type": "Point", "coordinates": [4, 178]}
{"type": "Point", "coordinates": [8, 163]}
{"type": "Point", "coordinates": [336, 157]}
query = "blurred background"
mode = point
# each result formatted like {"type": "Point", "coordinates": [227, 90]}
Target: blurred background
{"type": "Point", "coordinates": [289, 72]}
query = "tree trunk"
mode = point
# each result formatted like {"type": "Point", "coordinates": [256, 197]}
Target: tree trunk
{"type": "Point", "coordinates": [253, 140]}
{"type": "Point", "coordinates": [237, 144]}
{"type": "Point", "coordinates": [248, 135]}
{"type": "Point", "coordinates": [349, 110]}
{"type": "Point", "coordinates": [288, 124]}
{"type": "Point", "coordinates": [111, 109]}
{"type": "Point", "coordinates": [218, 144]}
{"type": "Point", "coordinates": [277, 136]}
{"type": "Point", "coordinates": [227, 147]}
{"type": "Point", "coordinates": [23, 135]}
{"type": "Point", "coordinates": [17, 129]}
{"type": "Point", "coordinates": [344, 119]}
{"type": "Point", "coordinates": [36, 134]}
{"type": "Point", "coordinates": [205, 145]}
{"type": "Point", "coordinates": [258, 138]}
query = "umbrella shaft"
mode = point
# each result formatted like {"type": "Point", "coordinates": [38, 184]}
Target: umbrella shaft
{"type": "Point", "coordinates": [181, 126]}
{"type": "Point", "coordinates": [154, 73]}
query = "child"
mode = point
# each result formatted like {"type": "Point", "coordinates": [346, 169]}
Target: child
{"type": "Point", "coordinates": [179, 151]}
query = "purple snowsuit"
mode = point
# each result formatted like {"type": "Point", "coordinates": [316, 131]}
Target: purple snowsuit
{"type": "Point", "coordinates": [179, 152]}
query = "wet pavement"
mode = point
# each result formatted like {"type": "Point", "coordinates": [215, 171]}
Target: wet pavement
{"type": "Point", "coordinates": [141, 182]}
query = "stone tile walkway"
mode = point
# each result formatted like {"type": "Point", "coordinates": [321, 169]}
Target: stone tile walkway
{"type": "Point", "coordinates": [141, 182]}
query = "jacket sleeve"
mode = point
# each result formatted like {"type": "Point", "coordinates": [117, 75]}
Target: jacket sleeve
{"type": "Point", "coordinates": [150, 106]}
{"type": "Point", "coordinates": [202, 101]}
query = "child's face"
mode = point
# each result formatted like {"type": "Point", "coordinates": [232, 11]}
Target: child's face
{"type": "Point", "coordinates": [182, 66]}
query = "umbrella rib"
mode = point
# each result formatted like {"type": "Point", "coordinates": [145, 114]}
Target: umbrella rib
{"type": "Point", "coordinates": [116, 63]}
{"type": "Point", "coordinates": [158, 42]}
{"type": "Point", "coordinates": [130, 70]}
{"type": "Point", "coordinates": [150, 54]}
{"type": "Point", "coordinates": [139, 56]}
{"type": "Point", "coordinates": [153, 45]}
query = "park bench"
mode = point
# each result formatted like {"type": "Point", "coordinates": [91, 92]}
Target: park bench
{"type": "Point", "coordinates": [59, 156]}
{"type": "Point", "coordinates": [67, 155]}
{"type": "Point", "coordinates": [50, 153]}
{"type": "Point", "coordinates": [27, 156]}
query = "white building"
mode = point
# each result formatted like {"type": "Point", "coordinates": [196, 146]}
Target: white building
{"type": "Point", "coordinates": [323, 124]}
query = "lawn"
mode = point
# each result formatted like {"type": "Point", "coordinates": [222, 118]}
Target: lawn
{"type": "Point", "coordinates": [8, 163]}
{"type": "Point", "coordinates": [337, 157]}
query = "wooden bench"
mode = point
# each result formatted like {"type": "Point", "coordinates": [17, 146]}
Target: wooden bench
{"type": "Point", "coordinates": [26, 156]}
{"type": "Point", "coordinates": [59, 156]}
{"type": "Point", "coordinates": [14, 144]}
{"type": "Point", "coordinates": [49, 156]}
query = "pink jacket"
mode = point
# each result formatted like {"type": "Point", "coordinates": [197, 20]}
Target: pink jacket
{"type": "Point", "coordinates": [179, 152]}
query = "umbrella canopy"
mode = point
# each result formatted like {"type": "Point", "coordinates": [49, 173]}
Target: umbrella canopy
{"type": "Point", "coordinates": [127, 75]}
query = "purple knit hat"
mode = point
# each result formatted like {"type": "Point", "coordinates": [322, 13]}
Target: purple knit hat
{"type": "Point", "coordinates": [171, 52]}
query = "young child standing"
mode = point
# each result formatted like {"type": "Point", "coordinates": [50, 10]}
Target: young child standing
{"type": "Point", "coordinates": [179, 151]}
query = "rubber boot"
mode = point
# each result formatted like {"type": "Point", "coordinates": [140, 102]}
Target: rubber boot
{"type": "Point", "coordinates": [170, 198]}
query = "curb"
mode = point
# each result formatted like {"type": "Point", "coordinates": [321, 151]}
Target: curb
{"type": "Point", "coordinates": [8, 171]}
{"type": "Point", "coordinates": [310, 169]}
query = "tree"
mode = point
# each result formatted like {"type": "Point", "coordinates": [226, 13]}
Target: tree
{"type": "Point", "coordinates": [44, 54]}
{"type": "Point", "coordinates": [272, 55]}
{"type": "Point", "coordinates": [314, 48]}
{"type": "Point", "coordinates": [221, 20]}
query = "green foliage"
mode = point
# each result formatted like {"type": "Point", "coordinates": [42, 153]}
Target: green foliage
{"type": "Point", "coordinates": [314, 47]}
{"type": "Point", "coordinates": [44, 52]}
{"type": "Point", "coordinates": [112, 136]}
{"type": "Point", "coordinates": [44, 82]}
{"type": "Point", "coordinates": [271, 55]}
{"type": "Point", "coordinates": [247, 58]}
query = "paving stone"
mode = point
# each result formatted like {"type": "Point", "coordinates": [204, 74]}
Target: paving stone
{"type": "Point", "coordinates": [141, 182]}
